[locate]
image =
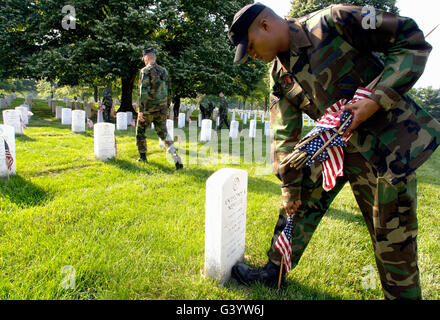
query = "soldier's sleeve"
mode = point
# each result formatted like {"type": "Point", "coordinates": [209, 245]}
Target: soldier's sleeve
{"type": "Point", "coordinates": [286, 126]}
{"type": "Point", "coordinates": [144, 80]}
{"type": "Point", "coordinates": [398, 38]}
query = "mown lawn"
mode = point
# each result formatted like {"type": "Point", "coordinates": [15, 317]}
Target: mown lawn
{"type": "Point", "coordinates": [136, 231]}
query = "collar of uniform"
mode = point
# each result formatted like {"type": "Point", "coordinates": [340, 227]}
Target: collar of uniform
{"type": "Point", "coordinates": [298, 40]}
{"type": "Point", "coordinates": [298, 36]}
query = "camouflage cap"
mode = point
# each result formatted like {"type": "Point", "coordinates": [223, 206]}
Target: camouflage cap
{"type": "Point", "coordinates": [238, 32]}
{"type": "Point", "coordinates": [146, 51]}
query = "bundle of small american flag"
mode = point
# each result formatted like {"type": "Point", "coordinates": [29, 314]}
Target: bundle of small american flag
{"type": "Point", "coordinates": [326, 141]}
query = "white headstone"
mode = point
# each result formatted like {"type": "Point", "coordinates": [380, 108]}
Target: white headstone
{"type": "Point", "coordinates": [225, 222]}
{"type": "Point", "coordinates": [58, 111]}
{"type": "Point", "coordinates": [181, 121]}
{"type": "Point", "coordinates": [267, 128]}
{"type": "Point", "coordinates": [245, 116]}
{"type": "Point", "coordinates": [121, 121]}
{"type": "Point", "coordinates": [104, 141]}
{"type": "Point", "coordinates": [66, 116]}
{"type": "Point", "coordinates": [24, 113]}
{"type": "Point", "coordinates": [161, 144]}
{"type": "Point", "coordinates": [205, 133]}
{"type": "Point", "coordinates": [262, 117]}
{"type": "Point", "coordinates": [170, 130]}
{"type": "Point", "coordinates": [7, 133]}
{"type": "Point", "coordinates": [13, 118]}
{"type": "Point", "coordinates": [233, 116]}
{"type": "Point", "coordinates": [100, 117]}
{"type": "Point", "coordinates": [199, 120]}
{"type": "Point", "coordinates": [233, 131]}
{"type": "Point", "coordinates": [78, 121]}
{"type": "Point", "coordinates": [253, 128]}
{"type": "Point", "coordinates": [129, 116]}
{"type": "Point", "coordinates": [217, 121]}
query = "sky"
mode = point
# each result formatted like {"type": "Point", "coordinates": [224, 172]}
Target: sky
{"type": "Point", "coordinates": [424, 12]}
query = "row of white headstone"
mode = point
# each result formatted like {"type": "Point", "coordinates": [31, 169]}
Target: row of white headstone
{"type": "Point", "coordinates": [77, 118]}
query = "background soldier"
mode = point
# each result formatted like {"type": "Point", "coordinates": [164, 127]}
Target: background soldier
{"type": "Point", "coordinates": [107, 101]}
{"type": "Point", "coordinates": [326, 56]}
{"type": "Point", "coordinates": [154, 100]}
{"type": "Point", "coordinates": [223, 111]}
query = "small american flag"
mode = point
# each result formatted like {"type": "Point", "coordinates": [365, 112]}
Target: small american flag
{"type": "Point", "coordinates": [132, 123]}
{"type": "Point", "coordinates": [89, 123]}
{"type": "Point", "coordinates": [9, 158]}
{"type": "Point", "coordinates": [284, 244]}
{"type": "Point", "coordinates": [332, 158]}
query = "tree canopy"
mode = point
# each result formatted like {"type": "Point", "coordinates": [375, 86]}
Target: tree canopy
{"type": "Point", "coordinates": [108, 37]}
{"type": "Point", "coordinates": [301, 8]}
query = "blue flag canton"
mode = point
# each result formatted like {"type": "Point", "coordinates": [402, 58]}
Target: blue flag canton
{"type": "Point", "coordinates": [289, 228]}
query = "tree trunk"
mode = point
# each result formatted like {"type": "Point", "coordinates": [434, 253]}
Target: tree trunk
{"type": "Point", "coordinates": [127, 90]}
{"type": "Point", "coordinates": [176, 106]}
{"type": "Point", "coordinates": [95, 93]}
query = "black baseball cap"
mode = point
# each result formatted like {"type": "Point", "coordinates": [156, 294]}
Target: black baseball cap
{"type": "Point", "coordinates": [238, 32]}
{"type": "Point", "coordinates": [146, 51]}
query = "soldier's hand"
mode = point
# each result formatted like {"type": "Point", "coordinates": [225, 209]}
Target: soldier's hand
{"type": "Point", "coordinates": [362, 110]}
{"type": "Point", "coordinates": [291, 207]}
{"type": "Point", "coordinates": [141, 117]}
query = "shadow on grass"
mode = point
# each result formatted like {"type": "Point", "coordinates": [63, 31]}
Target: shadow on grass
{"type": "Point", "coordinates": [21, 192]}
{"type": "Point", "coordinates": [24, 138]}
{"type": "Point", "coordinates": [293, 291]}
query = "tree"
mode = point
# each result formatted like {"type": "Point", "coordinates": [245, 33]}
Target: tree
{"type": "Point", "coordinates": [301, 8]}
{"type": "Point", "coordinates": [428, 98]}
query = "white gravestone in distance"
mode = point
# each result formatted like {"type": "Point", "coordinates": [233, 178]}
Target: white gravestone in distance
{"type": "Point", "coordinates": [129, 116]}
{"type": "Point", "coordinates": [225, 222]}
{"type": "Point", "coordinates": [100, 116]}
{"type": "Point", "coordinates": [170, 130]}
{"type": "Point", "coordinates": [253, 128]}
{"type": "Point", "coordinates": [199, 120]}
{"type": "Point", "coordinates": [233, 131]}
{"type": "Point", "coordinates": [205, 133]}
{"type": "Point", "coordinates": [181, 121]}
{"type": "Point", "coordinates": [24, 113]}
{"type": "Point", "coordinates": [12, 118]}
{"type": "Point", "coordinates": [121, 121]}
{"type": "Point", "coordinates": [7, 133]}
{"type": "Point", "coordinates": [104, 141]}
{"type": "Point", "coordinates": [58, 110]}
{"type": "Point", "coordinates": [66, 116]}
{"type": "Point", "coordinates": [78, 121]}
{"type": "Point", "coordinates": [267, 128]}
{"type": "Point", "coordinates": [245, 117]}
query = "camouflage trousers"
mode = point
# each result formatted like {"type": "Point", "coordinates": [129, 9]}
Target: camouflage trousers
{"type": "Point", "coordinates": [389, 212]}
{"type": "Point", "coordinates": [223, 119]}
{"type": "Point", "coordinates": [160, 125]}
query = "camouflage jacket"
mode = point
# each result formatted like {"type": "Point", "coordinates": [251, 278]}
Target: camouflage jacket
{"type": "Point", "coordinates": [223, 108]}
{"type": "Point", "coordinates": [330, 56]}
{"type": "Point", "coordinates": [154, 89]}
{"type": "Point", "coordinates": [107, 98]}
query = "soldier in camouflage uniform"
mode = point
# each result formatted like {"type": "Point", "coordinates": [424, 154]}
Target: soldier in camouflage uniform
{"type": "Point", "coordinates": [319, 59]}
{"type": "Point", "coordinates": [223, 112]}
{"type": "Point", "coordinates": [154, 99]}
{"type": "Point", "coordinates": [107, 101]}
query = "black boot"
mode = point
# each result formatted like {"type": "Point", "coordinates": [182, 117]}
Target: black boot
{"type": "Point", "coordinates": [268, 275]}
{"type": "Point", "coordinates": [143, 158]}
{"type": "Point", "coordinates": [179, 166]}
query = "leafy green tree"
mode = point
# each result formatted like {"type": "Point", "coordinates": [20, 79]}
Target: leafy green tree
{"type": "Point", "coordinates": [301, 8]}
{"type": "Point", "coordinates": [428, 98]}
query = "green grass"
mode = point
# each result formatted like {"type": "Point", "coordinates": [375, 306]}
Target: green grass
{"type": "Point", "coordinates": [136, 231]}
